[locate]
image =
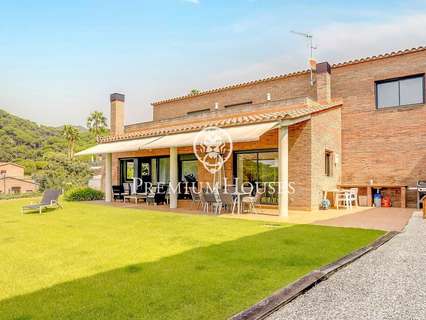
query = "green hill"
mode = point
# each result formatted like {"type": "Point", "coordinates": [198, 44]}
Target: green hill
{"type": "Point", "coordinates": [32, 145]}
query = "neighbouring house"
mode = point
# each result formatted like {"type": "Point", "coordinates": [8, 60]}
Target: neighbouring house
{"type": "Point", "coordinates": [359, 123]}
{"type": "Point", "coordinates": [13, 180]}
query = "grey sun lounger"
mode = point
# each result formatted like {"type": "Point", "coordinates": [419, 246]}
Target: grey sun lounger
{"type": "Point", "coordinates": [49, 200]}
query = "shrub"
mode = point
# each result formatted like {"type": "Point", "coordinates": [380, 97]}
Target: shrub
{"type": "Point", "coordinates": [19, 195]}
{"type": "Point", "coordinates": [83, 194]}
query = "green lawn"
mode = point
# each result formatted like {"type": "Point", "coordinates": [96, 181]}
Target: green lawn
{"type": "Point", "coordinates": [95, 262]}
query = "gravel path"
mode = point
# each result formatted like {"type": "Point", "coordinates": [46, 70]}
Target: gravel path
{"type": "Point", "coordinates": [388, 283]}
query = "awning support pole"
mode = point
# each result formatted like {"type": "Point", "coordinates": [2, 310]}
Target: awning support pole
{"type": "Point", "coordinates": [173, 177]}
{"type": "Point", "coordinates": [283, 171]}
{"type": "Point", "coordinates": [108, 177]}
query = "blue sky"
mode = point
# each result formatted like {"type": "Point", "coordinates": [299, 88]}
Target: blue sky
{"type": "Point", "coordinates": [60, 60]}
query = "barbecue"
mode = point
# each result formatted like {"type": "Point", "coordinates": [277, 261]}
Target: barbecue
{"type": "Point", "coordinates": [421, 192]}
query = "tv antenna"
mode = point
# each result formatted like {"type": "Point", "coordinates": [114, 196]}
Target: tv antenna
{"type": "Point", "coordinates": [312, 64]}
{"type": "Point", "coordinates": [308, 37]}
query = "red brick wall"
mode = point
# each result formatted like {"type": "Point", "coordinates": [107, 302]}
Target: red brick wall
{"type": "Point", "coordinates": [387, 146]}
{"type": "Point", "coordinates": [326, 135]}
{"type": "Point", "coordinates": [288, 88]}
{"type": "Point", "coordinates": [299, 161]}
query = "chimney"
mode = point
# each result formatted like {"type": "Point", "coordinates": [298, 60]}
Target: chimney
{"type": "Point", "coordinates": [323, 82]}
{"type": "Point", "coordinates": [117, 114]}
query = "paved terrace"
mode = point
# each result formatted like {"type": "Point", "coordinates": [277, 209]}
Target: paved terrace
{"type": "Point", "coordinates": [388, 219]}
{"type": "Point", "coordinates": [388, 283]}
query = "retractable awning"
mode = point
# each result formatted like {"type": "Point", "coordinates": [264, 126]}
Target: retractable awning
{"type": "Point", "coordinates": [121, 146]}
{"type": "Point", "coordinates": [238, 134]}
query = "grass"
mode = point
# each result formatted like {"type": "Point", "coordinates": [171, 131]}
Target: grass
{"type": "Point", "coordinates": [95, 262]}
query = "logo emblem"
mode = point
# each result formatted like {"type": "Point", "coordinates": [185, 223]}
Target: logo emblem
{"type": "Point", "coordinates": [213, 147]}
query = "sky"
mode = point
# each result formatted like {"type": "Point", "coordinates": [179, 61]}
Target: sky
{"type": "Point", "coordinates": [60, 60]}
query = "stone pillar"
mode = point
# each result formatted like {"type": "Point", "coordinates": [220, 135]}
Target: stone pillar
{"type": "Point", "coordinates": [108, 177]}
{"type": "Point", "coordinates": [173, 177]}
{"type": "Point", "coordinates": [283, 171]}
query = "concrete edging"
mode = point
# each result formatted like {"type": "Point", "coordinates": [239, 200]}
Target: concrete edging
{"type": "Point", "coordinates": [280, 298]}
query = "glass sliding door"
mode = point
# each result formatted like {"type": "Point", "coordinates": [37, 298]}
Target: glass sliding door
{"type": "Point", "coordinates": [268, 166]}
{"type": "Point", "coordinates": [188, 167]}
{"type": "Point", "coordinates": [247, 168]}
{"type": "Point", "coordinates": [164, 170]}
{"type": "Point", "coordinates": [127, 170]}
{"type": "Point", "coordinates": [144, 174]}
{"type": "Point", "coordinates": [188, 174]}
{"type": "Point", "coordinates": [258, 167]}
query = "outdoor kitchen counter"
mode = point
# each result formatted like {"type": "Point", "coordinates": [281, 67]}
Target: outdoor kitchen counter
{"type": "Point", "coordinates": [379, 186]}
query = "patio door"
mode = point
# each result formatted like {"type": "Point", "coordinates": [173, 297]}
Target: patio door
{"type": "Point", "coordinates": [144, 173]}
{"type": "Point", "coordinates": [259, 168]}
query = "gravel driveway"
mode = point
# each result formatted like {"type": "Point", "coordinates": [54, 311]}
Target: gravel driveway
{"type": "Point", "coordinates": [388, 283]}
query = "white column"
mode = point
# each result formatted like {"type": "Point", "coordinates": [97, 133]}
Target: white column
{"type": "Point", "coordinates": [283, 171]}
{"type": "Point", "coordinates": [173, 177]}
{"type": "Point", "coordinates": [108, 177]}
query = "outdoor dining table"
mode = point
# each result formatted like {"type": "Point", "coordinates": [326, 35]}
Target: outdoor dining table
{"type": "Point", "coordinates": [135, 197]}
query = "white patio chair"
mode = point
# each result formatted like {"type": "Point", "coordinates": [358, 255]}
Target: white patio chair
{"type": "Point", "coordinates": [353, 198]}
{"type": "Point", "coordinates": [343, 197]}
{"type": "Point", "coordinates": [253, 201]}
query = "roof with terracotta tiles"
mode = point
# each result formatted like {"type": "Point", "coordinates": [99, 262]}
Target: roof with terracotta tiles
{"type": "Point", "coordinates": [292, 74]}
{"type": "Point", "coordinates": [188, 124]}
{"type": "Point", "coordinates": [10, 163]}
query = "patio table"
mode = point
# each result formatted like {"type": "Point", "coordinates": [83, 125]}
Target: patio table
{"type": "Point", "coordinates": [135, 197]}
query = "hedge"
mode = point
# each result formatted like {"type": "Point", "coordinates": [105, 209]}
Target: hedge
{"type": "Point", "coordinates": [83, 194]}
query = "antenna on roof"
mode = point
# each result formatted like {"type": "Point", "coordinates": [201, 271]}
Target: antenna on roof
{"type": "Point", "coordinates": [312, 62]}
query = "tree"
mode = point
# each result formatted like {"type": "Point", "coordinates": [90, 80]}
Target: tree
{"type": "Point", "coordinates": [194, 91]}
{"type": "Point", "coordinates": [63, 173]}
{"type": "Point", "coordinates": [71, 134]}
{"type": "Point", "coordinates": [97, 123]}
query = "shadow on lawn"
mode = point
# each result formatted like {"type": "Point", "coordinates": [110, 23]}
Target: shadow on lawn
{"type": "Point", "coordinates": [204, 283]}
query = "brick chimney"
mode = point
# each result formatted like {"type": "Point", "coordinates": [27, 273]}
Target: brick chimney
{"type": "Point", "coordinates": [117, 114]}
{"type": "Point", "coordinates": [323, 82]}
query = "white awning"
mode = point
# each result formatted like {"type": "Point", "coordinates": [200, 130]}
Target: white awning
{"type": "Point", "coordinates": [238, 134]}
{"type": "Point", "coordinates": [251, 132]}
{"type": "Point", "coordinates": [246, 133]}
{"type": "Point", "coordinates": [121, 146]}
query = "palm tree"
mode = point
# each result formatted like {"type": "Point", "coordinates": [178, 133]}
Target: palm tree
{"type": "Point", "coordinates": [71, 134]}
{"type": "Point", "coordinates": [97, 123]}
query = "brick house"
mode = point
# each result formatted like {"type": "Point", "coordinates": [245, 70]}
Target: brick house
{"type": "Point", "coordinates": [359, 124]}
{"type": "Point", "coordinates": [13, 180]}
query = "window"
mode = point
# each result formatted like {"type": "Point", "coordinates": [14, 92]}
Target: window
{"type": "Point", "coordinates": [16, 190]}
{"type": "Point", "coordinates": [258, 167]}
{"type": "Point", "coordinates": [188, 166]}
{"type": "Point", "coordinates": [2, 172]}
{"type": "Point", "coordinates": [127, 170]}
{"type": "Point", "coordinates": [164, 170]}
{"type": "Point", "coordinates": [328, 163]}
{"type": "Point", "coordinates": [400, 92]}
{"type": "Point", "coordinates": [238, 104]}
{"type": "Point", "coordinates": [198, 112]}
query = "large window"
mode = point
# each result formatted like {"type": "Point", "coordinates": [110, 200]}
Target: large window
{"type": "Point", "coordinates": [188, 167]}
{"type": "Point", "coordinates": [400, 92]}
{"type": "Point", "coordinates": [127, 170]}
{"type": "Point", "coordinates": [261, 168]}
{"type": "Point", "coordinates": [164, 170]}
{"type": "Point", "coordinates": [154, 169]}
